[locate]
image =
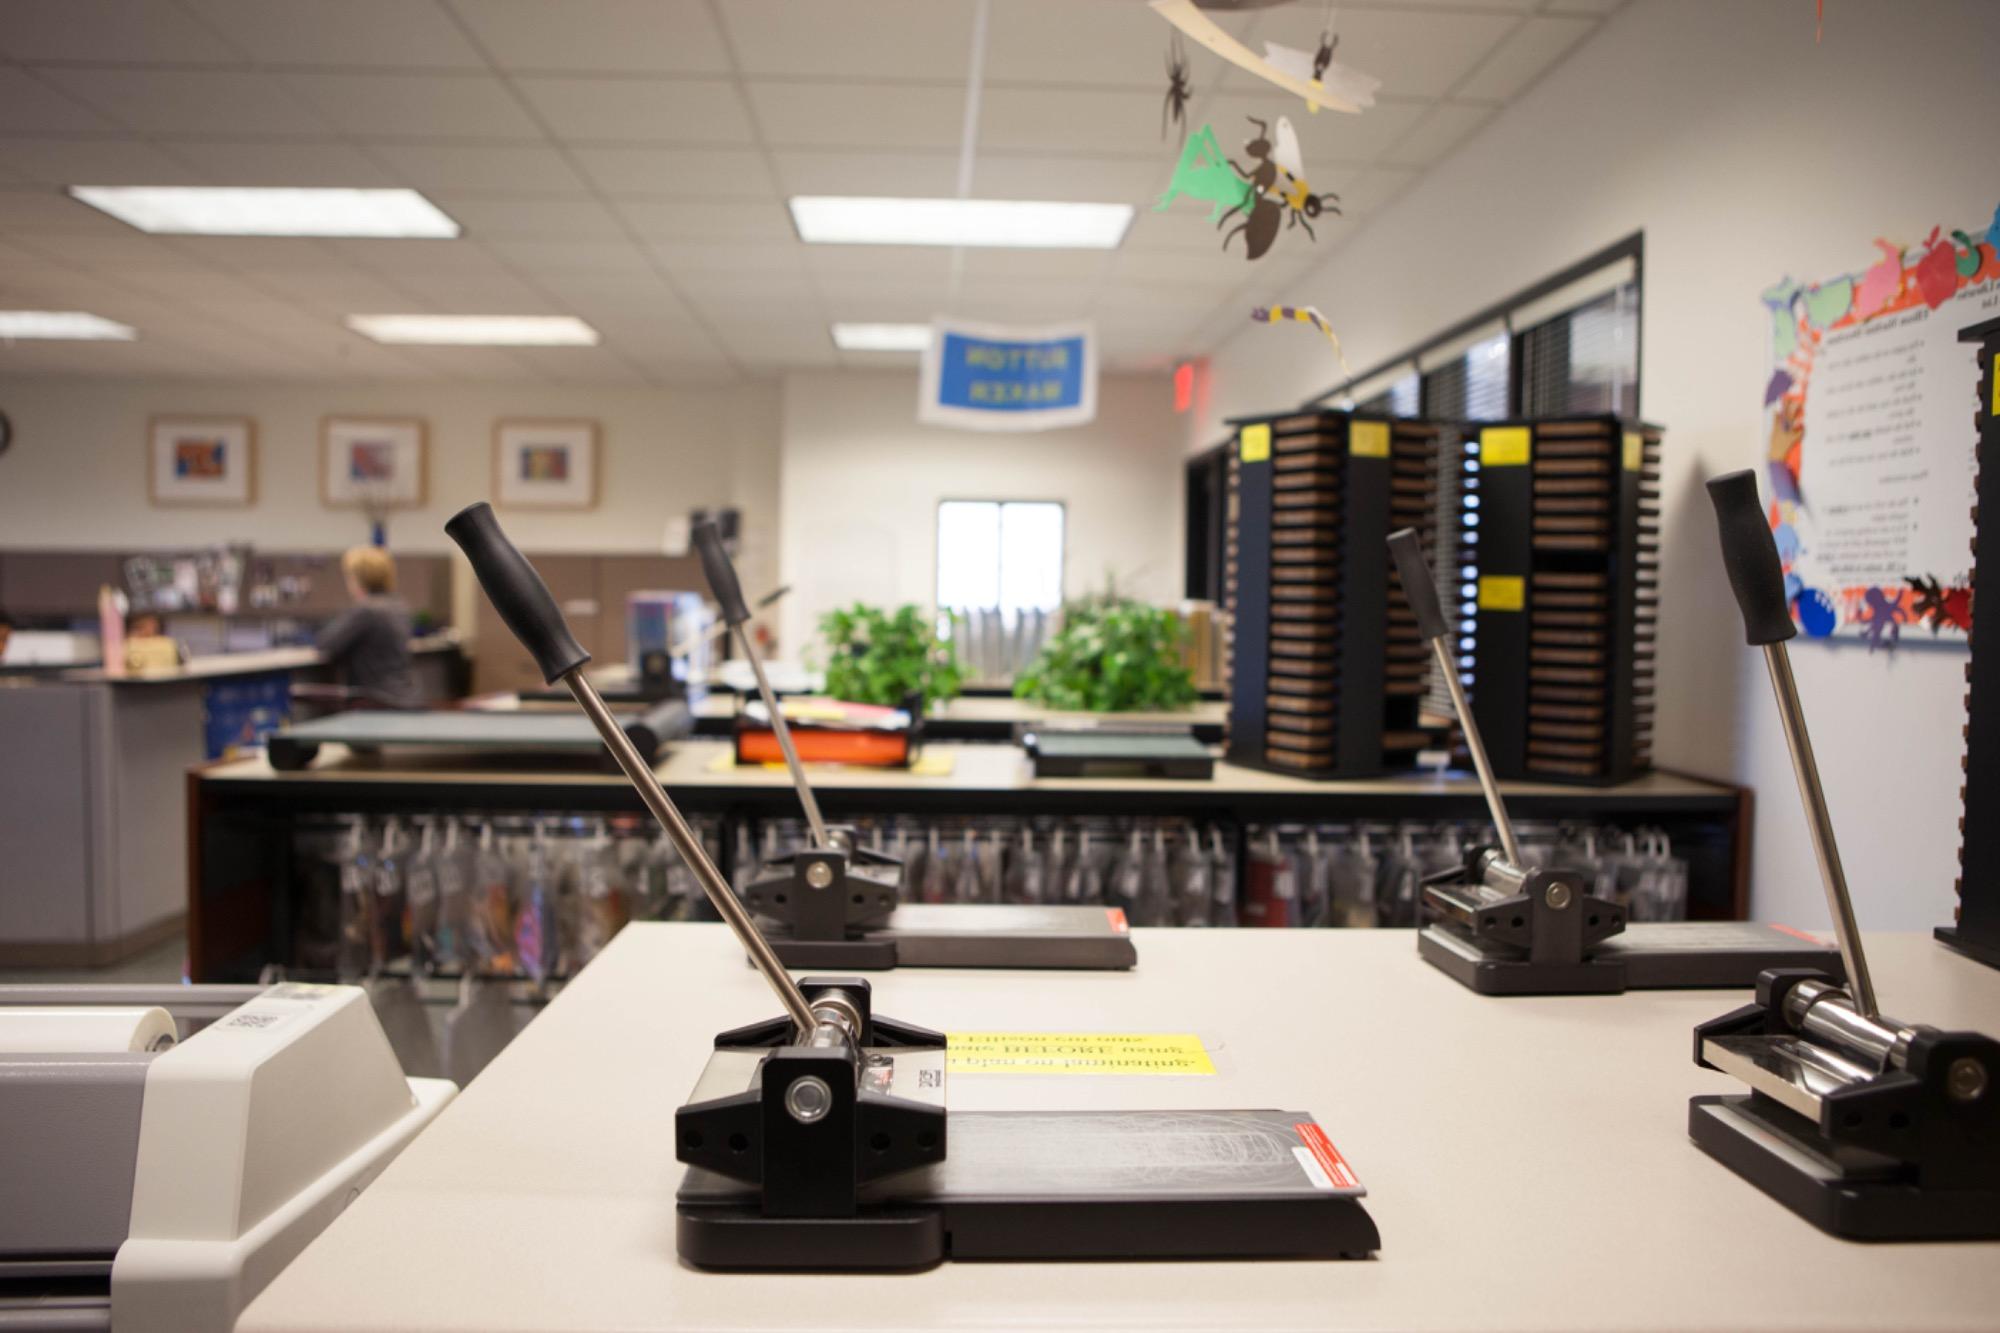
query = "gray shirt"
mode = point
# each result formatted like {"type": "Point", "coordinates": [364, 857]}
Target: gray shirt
{"type": "Point", "coordinates": [370, 646]}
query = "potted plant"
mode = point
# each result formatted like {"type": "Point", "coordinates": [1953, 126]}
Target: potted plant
{"type": "Point", "coordinates": [1112, 655]}
{"type": "Point", "coordinates": [883, 657]}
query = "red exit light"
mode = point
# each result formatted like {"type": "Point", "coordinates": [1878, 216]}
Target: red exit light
{"type": "Point", "coordinates": [1183, 386]}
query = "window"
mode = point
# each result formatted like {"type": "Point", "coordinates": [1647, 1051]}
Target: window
{"type": "Point", "coordinates": [1584, 360]}
{"type": "Point", "coordinates": [1004, 555]}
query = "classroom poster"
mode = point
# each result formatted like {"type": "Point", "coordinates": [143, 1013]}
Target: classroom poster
{"type": "Point", "coordinates": [1870, 406]}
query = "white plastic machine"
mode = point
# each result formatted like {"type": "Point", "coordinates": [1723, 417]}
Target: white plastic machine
{"type": "Point", "coordinates": [165, 1151]}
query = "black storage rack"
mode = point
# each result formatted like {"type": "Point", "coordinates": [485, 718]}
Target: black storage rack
{"type": "Point", "coordinates": [1568, 596]}
{"type": "Point", "coordinates": [1326, 669]}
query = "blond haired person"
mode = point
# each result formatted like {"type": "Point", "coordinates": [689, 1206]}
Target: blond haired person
{"type": "Point", "coordinates": [369, 644]}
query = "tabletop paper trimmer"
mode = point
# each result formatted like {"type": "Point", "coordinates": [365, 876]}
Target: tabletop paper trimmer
{"type": "Point", "coordinates": [834, 904]}
{"type": "Point", "coordinates": [1867, 1127]}
{"type": "Point", "coordinates": [1505, 927]}
{"type": "Point", "coordinates": [820, 1139]}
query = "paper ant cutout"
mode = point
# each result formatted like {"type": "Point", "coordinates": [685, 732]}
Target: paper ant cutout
{"type": "Point", "coordinates": [1267, 203]}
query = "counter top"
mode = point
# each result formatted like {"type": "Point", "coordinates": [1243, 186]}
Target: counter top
{"type": "Point", "coordinates": [974, 768]}
{"type": "Point", "coordinates": [240, 664]}
{"type": "Point", "coordinates": [1527, 1159]}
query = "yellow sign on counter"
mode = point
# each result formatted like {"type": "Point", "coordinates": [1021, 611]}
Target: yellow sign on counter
{"type": "Point", "coordinates": [1076, 1053]}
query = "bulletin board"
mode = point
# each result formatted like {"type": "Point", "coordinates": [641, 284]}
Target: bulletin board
{"type": "Point", "coordinates": [1872, 449]}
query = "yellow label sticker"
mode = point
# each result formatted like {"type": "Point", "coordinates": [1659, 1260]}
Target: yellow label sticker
{"type": "Point", "coordinates": [1993, 373]}
{"type": "Point", "coordinates": [1505, 446]}
{"type": "Point", "coordinates": [1502, 592]}
{"type": "Point", "coordinates": [1254, 443]}
{"type": "Point", "coordinates": [1368, 439]}
{"type": "Point", "coordinates": [1635, 451]}
{"type": "Point", "coordinates": [1076, 1053]}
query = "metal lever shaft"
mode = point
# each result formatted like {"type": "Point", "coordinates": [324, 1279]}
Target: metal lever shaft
{"type": "Point", "coordinates": [1415, 572]}
{"type": "Point", "coordinates": [1833, 878]}
{"type": "Point", "coordinates": [720, 895]}
{"type": "Point", "coordinates": [1757, 577]}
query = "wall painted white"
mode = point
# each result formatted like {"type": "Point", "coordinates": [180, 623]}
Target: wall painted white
{"type": "Point", "coordinates": [1745, 153]}
{"type": "Point", "coordinates": [76, 476]}
{"type": "Point", "coordinates": [860, 481]}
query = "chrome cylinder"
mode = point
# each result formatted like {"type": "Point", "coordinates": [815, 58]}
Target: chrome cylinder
{"type": "Point", "coordinates": [1826, 1014]}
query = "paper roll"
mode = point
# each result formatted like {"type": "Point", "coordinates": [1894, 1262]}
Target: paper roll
{"type": "Point", "coordinates": [85, 1029]}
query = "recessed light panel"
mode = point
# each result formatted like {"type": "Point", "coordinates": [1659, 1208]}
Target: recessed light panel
{"type": "Point", "coordinates": [476, 330]}
{"type": "Point", "coordinates": [201, 210]}
{"type": "Point", "coordinates": [1010, 223]}
{"type": "Point", "coordinates": [65, 324]}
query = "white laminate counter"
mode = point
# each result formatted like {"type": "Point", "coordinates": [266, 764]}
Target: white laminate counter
{"type": "Point", "coordinates": [1527, 1159]}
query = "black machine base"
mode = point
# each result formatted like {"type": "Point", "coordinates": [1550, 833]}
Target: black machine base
{"type": "Point", "coordinates": [1841, 1190]}
{"type": "Point", "coordinates": [1692, 955]}
{"type": "Point", "coordinates": [1980, 951]}
{"type": "Point", "coordinates": [1061, 1229]}
{"type": "Point", "coordinates": [1045, 936]}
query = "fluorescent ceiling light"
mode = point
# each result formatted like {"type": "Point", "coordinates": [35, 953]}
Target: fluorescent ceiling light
{"type": "Point", "coordinates": [476, 330]}
{"type": "Point", "coordinates": [202, 210]}
{"type": "Point", "coordinates": [74, 324]}
{"type": "Point", "coordinates": [881, 337]}
{"type": "Point", "coordinates": [841, 220]}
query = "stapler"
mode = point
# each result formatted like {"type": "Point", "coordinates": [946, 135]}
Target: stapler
{"type": "Point", "coordinates": [821, 1138]}
{"type": "Point", "coordinates": [1504, 926]}
{"type": "Point", "coordinates": [1868, 1127]}
{"type": "Point", "coordinates": [836, 904]}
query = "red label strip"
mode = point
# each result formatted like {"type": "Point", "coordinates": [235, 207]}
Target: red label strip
{"type": "Point", "coordinates": [1336, 1166]}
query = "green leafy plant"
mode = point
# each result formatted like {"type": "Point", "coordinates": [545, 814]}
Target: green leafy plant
{"type": "Point", "coordinates": [881, 657]}
{"type": "Point", "coordinates": [1112, 655]}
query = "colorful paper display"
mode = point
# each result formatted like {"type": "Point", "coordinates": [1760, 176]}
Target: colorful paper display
{"type": "Point", "coordinates": [1870, 455]}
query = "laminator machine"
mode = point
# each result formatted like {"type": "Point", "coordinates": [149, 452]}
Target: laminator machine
{"type": "Point", "coordinates": [821, 1139]}
{"type": "Point", "coordinates": [1503, 926]}
{"type": "Point", "coordinates": [835, 904]}
{"type": "Point", "coordinates": [166, 1150]}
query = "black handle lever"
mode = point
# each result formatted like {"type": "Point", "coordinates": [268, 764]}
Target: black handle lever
{"type": "Point", "coordinates": [1407, 549]}
{"type": "Point", "coordinates": [721, 573]}
{"type": "Point", "coordinates": [516, 591]}
{"type": "Point", "coordinates": [1750, 555]}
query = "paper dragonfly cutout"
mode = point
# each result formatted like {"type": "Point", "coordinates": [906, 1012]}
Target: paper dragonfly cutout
{"type": "Point", "coordinates": [1271, 190]}
{"type": "Point", "coordinates": [1319, 70]}
{"type": "Point", "coordinates": [1304, 314]}
{"type": "Point", "coordinates": [1190, 20]}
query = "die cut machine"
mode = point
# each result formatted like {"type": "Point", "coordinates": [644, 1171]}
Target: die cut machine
{"type": "Point", "coordinates": [1868, 1127]}
{"type": "Point", "coordinates": [833, 904]}
{"type": "Point", "coordinates": [821, 1139]}
{"type": "Point", "coordinates": [1503, 926]}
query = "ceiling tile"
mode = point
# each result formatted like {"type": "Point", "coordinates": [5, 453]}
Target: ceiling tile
{"type": "Point", "coordinates": [1584, 6]}
{"type": "Point", "coordinates": [29, 106]}
{"type": "Point", "coordinates": [603, 364]}
{"type": "Point", "coordinates": [474, 294]}
{"type": "Point", "coordinates": [897, 39]}
{"type": "Point", "coordinates": [1184, 226]}
{"type": "Point", "coordinates": [1438, 133]}
{"type": "Point", "coordinates": [857, 115]}
{"type": "Point", "coordinates": [1084, 268]}
{"type": "Point", "coordinates": [916, 175]}
{"type": "Point", "coordinates": [214, 102]}
{"type": "Point", "coordinates": [1136, 180]}
{"type": "Point", "coordinates": [1087, 44]}
{"type": "Point", "coordinates": [872, 296]}
{"type": "Point", "coordinates": [905, 263]}
{"type": "Point", "coordinates": [45, 209]}
{"type": "Point", "coordinates": [1525, 56]}
{"type": "Point", "coordinates": [517, 168]}
{"type": "Point", "coordinates": [339, 290]}
{"type": "Point", "coordinates": [1375, 188]}
{"type": "Point", "coordinates": [781, 341]}
{"type": "Point", "coordinates": [1071, 120]}
{"type": "Point", "coordinates": [231, 163]}
{"type": "Point", "coordinates": [196, 290]}
{"type": "Point", "coordinates": [1176, 268]}
{"type": "Point", "coordinates": [708, 173]}
{"type": "Point", "coordinates": [385, 256]}
{"type": "Point", "coordinates": [707, 220]}
{"type": "Point", "coordinates": [1415, 53]}
{"type": "Point", "coordinates": [364, 33]}
{"type": "Point", "coordinates": [237, 253]}
{"type": "Point", "coordinates": [1327, 140]}
{"type": "Point", "coordinates": [693, 261]}
{"type": "Point", "coordinates": [107, 30]}
{"type": "Point", "coordinates": [486, 216]}
{"type": "Point", "coordinates": [418, 106]}
{"type": "Point", "coordinates": [535, 256]}
{"type": "Point", "coordinates": [106, 251]}
{"type": "Point", "coordinates": [633, 36]}
{"type": "Point", "coordinates": [649, 110]}
{"type": "Point", "coordinates": [92, 162]}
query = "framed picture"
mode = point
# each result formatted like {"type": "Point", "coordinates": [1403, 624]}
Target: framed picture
{"type": "Point", "coordinates": [372, 462]}
{"type": "Point", "coordinates": [203, 460]}
{"type": "Point", "coordinates": [545, 464]}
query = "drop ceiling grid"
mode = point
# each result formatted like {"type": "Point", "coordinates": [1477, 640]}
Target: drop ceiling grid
{"type": "Point", "coordinates": [658, 138]}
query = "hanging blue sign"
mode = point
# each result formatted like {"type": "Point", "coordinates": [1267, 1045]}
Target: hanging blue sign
{"type": "Point", "coordinates": [987, 377]}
